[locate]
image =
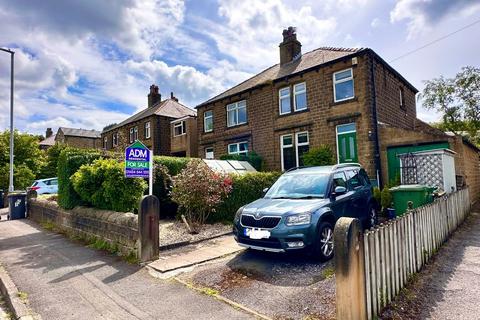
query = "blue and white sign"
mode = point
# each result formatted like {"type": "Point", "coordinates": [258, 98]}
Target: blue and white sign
{"type": "Point", "coordinates": [137, 161]}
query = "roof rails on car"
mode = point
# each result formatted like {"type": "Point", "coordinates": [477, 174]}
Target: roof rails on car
{"type": "Point", "coordinates": [346, 165]}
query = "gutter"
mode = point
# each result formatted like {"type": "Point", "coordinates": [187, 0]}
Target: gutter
{"type": "Point", "coordinates": [376, 144]}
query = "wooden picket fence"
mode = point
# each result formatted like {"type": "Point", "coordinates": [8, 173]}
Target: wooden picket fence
{"type": "Point", "coordinates": [396, 250]}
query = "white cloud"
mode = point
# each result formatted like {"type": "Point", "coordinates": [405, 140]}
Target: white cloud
{"type": "Point", "coordinates": [421, 15]}
{"type": "Point", "coordinates": [375, 23]}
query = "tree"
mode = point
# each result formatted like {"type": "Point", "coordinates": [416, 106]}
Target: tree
{"type": "Point", "coordinates": [28, 160]}
{"type": "Point", "coordinates": [458, 100]}
{"type": "Point", "coordinates": [51, 161]}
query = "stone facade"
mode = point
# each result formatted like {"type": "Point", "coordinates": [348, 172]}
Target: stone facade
{"type": "Point", "coordinates": [77, 141]}
{"type": "Point", "coordinates": [158, 116]}
{"type": "Point", "coordinates": [265, 125]}
{"type": "Point", "coordinates": [184, 145]}
{"type": "Point", "coordinates": [116, 228]}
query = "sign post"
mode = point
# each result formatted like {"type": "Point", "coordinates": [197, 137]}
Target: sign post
{"type": "Point", "coordinates": [139, 163]}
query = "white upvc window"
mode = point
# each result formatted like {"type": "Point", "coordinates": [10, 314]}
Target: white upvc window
{"type": "Point", "coordinates": [135, 134]}
{"type": "Point", "coordinates": [115, 139]}
{"type": "Point", "coordinates": [343, 86]}
{"type": "Point", "coordinates": [179, 128]}
{"type": "Point", "coordinates": [402, 98]}
{"type": "Point", "coordinates": [238, 148]}
{"type": "Point", "coordinates": [302, 142]}
{"type": "Point", "coordinates": [236, 113]}
{"type": "Point", "coordinates": [287, 151]}
{"type": "Point", "coordinates": [292, 149]}
{"type": "Point", "coordinates": [132, 135]}
{"type": "Point", "coordinates": [300, 96]}
{"type": "Point", "coordinates": [105, 143]}
{"type": "Point", "coordinates": [208, 121]}
{"type": "Point", "coordinates": [284, 100]}
{"type": "Point", "coordinates": [147, 132]}
{"type": "Point", "coordinates": [209, 153]}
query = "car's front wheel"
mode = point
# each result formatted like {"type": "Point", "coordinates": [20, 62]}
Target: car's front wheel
{"type": "Point", "coordinates": [323, 248]}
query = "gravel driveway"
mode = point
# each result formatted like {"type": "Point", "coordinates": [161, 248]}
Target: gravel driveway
{"type": "Point", "coordinates": [277, 285]}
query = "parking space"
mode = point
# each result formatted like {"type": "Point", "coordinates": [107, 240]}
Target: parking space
{"type": "Point", "coordinates": [280, 286]}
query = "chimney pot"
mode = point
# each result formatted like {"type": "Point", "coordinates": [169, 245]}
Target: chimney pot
{"type": "Point", "coordinates": [173, 97]}
{"type": "Point", "coordinates": [48, 133]}
{"type": "Point", "coordinates": [154, 96]}
{"type": "Point", "coordinates": [290, 48]}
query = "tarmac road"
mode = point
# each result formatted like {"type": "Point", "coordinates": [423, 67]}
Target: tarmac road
{"type": "Point", "coordinates": [65, 280]}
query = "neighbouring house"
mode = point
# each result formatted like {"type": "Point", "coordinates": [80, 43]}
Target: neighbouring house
{"type": "Point", "coordinates": [350, 99]}
{"type": "Point", "coordinates": [165, 126]}
{"type": "Point", "coordinates": [79, 138]}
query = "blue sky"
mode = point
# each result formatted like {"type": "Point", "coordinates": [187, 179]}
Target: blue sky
{"type": "Point", "coordinates": [89, 63]}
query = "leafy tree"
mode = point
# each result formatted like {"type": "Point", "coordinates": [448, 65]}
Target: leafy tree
{"type": "Point", "coordinates": [51, 161]}
{"type": "Point", "coordinates": [28, 161]}
{"type": "Point", "coordinates": [458, 100]}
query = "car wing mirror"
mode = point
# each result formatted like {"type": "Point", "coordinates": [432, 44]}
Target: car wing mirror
{"type": "Point", "coordinates": [264, 191]}
{"type": "Point", "coordinates": [339, 190]}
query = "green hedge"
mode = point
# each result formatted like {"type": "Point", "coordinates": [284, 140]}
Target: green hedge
{"type": "Point", "coordinates": [246, 188]}
{"type": "Point", "coordinates": [254, 159]}
{"type": "Point", "coordinates": [103, 185]}
{"type": "Point", "coordinates": [69, 161]}
{"type": "Point", "coordinates": [174, 166]}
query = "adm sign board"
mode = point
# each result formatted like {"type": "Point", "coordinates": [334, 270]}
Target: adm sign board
{"type": "Point", "coordinates": [137, 161]}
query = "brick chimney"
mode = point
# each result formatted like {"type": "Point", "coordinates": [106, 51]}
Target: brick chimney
{"type": "Point", "coordinates": [154, 96]}
{"type": "Point", "coordinates": [173, 97]}
{"type": "Point", "coordinates": [48, 133]}
{"type": "Point", "coordinates": [290, 48]}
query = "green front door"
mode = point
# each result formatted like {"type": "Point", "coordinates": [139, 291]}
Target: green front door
{"type": "Point", "coordinates": [347, 143]}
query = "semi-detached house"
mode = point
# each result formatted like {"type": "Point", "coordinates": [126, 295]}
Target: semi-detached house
{"type": "Point", "coordinates": [350, 99]}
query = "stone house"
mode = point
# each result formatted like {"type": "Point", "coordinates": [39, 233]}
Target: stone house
{"type": "Point", "coordinates": [79, 138]}
{"type": "Point", "coordinates": [349, 99]}
{"type": "Point", "coordinates": [166, 126]}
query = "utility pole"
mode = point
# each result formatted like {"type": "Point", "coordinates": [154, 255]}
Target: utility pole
{"type": "Point", "coordinates": [10, 186]}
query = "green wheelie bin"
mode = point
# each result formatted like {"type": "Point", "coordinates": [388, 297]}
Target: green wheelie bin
{"type": "Point", "coordinates": [418, 194]}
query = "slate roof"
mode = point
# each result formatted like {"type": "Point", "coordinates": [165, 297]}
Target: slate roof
{"type": "Point", "coordinates": [50, 141]}
{"type": "Point", "coordinates": [80, 132]}
{"type": "Point", "coordinates": [168, 108]}
{"type": "Point", "coordinates": [306, 61]}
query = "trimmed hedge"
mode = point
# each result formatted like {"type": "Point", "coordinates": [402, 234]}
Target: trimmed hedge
{"type": "Point", "coordinates": [69, 161]}
{"type": "Point", "coordinates": [246, 188]}
{"type": "Point", "coordinates": [103, 185]}
{"type": "Point", "coordinates": [254, 159]}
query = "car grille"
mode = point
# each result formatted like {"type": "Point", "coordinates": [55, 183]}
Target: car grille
{"type": "Point", "coordinates": [264, 222]}
{"type": "Point", "coordinates": [265, 243]}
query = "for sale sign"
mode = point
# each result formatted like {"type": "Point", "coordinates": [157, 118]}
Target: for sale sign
{"type": "Point", "coordinates": [137, 161]}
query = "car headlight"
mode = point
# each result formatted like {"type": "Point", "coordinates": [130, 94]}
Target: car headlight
{"type": "Point", "coordinates": [238, 213]}
{"type": "Point", "coordinates": [299, 219]}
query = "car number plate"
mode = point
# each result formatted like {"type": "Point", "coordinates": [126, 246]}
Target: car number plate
{"type": "Point", "coordinates": [257, 233]}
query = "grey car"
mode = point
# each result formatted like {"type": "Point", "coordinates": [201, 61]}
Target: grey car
{"type": "Point", "coordinates": [300, 210]}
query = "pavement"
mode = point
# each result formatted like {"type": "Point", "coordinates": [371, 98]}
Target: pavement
{"type": "Point", "coordinates": [194, 254]}
{"type": "Point", "coordinates": [65, 280]}
{"type": "Point", "coordinates": [449, 286]}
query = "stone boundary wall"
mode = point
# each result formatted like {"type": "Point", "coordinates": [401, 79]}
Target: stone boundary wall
{"type": "Point", "coordinates": [116, 228]}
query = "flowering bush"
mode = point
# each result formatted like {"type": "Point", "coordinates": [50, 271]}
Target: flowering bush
{"type": "Point", "coordinates": [198, 190]}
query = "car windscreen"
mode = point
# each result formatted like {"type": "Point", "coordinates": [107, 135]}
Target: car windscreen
{"type": "Point", "coordinates": [299, 186]}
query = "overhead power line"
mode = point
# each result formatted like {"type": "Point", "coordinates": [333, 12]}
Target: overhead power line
{"type": "Point", "coordinates": [435, 41]}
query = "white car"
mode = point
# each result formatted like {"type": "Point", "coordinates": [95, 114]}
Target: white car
{"type": "Point", "coordinates": [45, 186]}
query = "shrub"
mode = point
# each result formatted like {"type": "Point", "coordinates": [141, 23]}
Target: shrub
{"type": "Point", "coordinates": [52, 154]}
{"type": "Point", "coordinates": [23, 177]}
{"type": "Point", "coordinates": [161, 188]}
{"type": "Point", "coordinates": [254, 159]}
{"type": "Point", "coordinates": [320, 156]}
{"type": "Point", "coordinates": [198, 191]}
{"type": "Point", "coordinates": [387, 198]}
{"type": "Point", "coordinates": [69, 161]}
{"type": "Point", "coordinates": [377, 195]}
{"type": "Point", "coordinates": [103, 185]}
{"type": "Point", "coordinates": [245, 189]}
